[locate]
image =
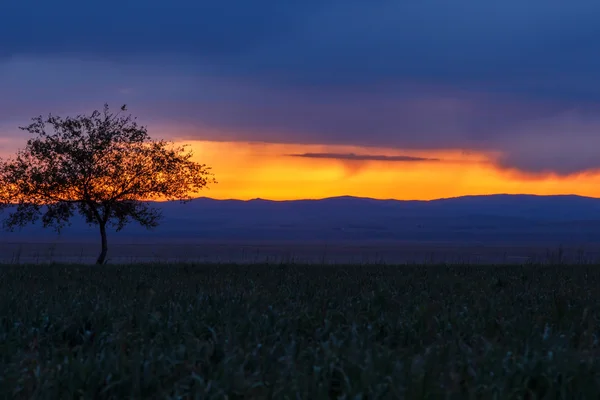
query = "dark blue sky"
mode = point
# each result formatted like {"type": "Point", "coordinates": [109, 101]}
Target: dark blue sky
{"type": "Point", "coordinates": [518, 77]}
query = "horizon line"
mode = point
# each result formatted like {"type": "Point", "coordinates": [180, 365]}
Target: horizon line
{"type": "Point", "coordinates": [372, 198]}
{"type": "Point", "coordinates": [386, 199]}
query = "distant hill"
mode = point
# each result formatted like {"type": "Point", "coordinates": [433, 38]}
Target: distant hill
{"type": "Point", "coordinates": [472, 219]}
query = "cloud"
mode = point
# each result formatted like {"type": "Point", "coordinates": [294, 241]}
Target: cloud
{"type": "Point", "coordinates": [363, 157]}
{"type": "Point", "coordinates": [550, 47]}
{"type": "Point", "coordinates": [530, 135]}
{"type": "Point", "coordinates": [502, 78]}
{"type": "Point", "coordinates": [565, 143]}
{"type": "Point", "coordinates": [353, 163]}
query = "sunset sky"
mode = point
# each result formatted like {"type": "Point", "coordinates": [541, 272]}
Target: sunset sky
{"type": "Point", "coordinates": [397, 99]}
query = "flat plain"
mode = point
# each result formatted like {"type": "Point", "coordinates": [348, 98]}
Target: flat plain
{"type": "Point", "coordinates": [319, 252]}
{"type": "Point", "coordinates": [291, 331]}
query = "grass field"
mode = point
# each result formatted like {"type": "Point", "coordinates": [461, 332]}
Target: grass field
{"type": "Point", "coordinates": [159, 250]}
{"type": "Point", "coordinates": [299, 332]}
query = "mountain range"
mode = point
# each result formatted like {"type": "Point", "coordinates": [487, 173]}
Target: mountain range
{"type": "Point", "coordinates": [495, 219]}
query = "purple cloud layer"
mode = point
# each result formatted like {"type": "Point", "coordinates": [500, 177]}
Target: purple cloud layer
{"type": "Point", "coordinates": [522, 80]}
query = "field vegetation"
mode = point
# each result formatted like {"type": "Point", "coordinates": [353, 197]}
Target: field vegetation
{"type": "Point", "coordinates": [299, 332]}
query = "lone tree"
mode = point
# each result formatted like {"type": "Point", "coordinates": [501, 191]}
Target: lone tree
{"type": "Point", "coordinates": [103, 166]}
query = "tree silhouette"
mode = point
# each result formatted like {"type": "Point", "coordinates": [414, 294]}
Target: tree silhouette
{"type": "Point", "coordinates": [103, 166]}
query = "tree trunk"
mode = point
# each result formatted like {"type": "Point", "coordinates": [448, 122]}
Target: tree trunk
{"type": "Point", "coordinates": [102, 256]}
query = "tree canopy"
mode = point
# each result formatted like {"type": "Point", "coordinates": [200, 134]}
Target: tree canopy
{"type": "Point", "coordinates": [103, 166]}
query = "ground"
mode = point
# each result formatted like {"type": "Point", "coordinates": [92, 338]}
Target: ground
{"type": "Point", "coordinates": [299, 331]}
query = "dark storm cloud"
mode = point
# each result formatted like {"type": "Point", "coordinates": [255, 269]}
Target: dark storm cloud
{"type": "Point", "coordinates": [130, 28]}
{"type": "Point", "coordinates": [327, 42]}
{"type": "Point", "coordinates": [519, 78]}
{"type": "Point", "coordinates": [362, 157]}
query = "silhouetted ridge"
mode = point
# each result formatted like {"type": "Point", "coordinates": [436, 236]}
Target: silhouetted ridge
{"type": "Point", "coordinates": [493, 218]}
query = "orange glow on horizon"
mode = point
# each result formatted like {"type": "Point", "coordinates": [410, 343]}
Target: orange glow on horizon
{"type": "Point", "coordinates": [265, 170]}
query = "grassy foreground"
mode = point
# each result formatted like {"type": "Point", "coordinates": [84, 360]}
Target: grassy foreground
{"type": "Point", "coordinates": [299, 332]}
